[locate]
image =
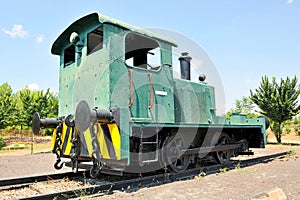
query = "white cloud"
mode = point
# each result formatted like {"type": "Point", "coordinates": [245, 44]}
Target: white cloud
{"type": "Point", "coordinates": [40, 39]}
{"type": "Point", "coordinates": [16, 31]}
{"type": "Point", "coordinates": [290, 1]}
{"type": "Point", "coordinates": [33, 86]}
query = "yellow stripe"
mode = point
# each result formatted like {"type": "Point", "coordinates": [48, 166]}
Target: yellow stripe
{"type": "Point", "coordinates": [88, 140]}
{"type": "Point", "coordinates": [69, 143]}
{"type": "Point", "coordinates": [53, 140]}
{"type": "Point", "coordinates": [116, 139]}
{"type": "Point", "coordinates": [63, 138]}
{"type": "Point", "coordinates": [102, 143]}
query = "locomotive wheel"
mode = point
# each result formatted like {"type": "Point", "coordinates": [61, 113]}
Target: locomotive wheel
{"type": "Point", "coordinates": [172, 153]}
{"type": "Point", "coordinates": [224, 156]}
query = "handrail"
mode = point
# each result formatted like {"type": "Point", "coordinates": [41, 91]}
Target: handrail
{"type": "Point", "coordinates": [131, 88]}
{"type": "Point", "coordinates": [151, 92]}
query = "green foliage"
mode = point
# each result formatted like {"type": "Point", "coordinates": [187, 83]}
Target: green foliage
{"type": "Point", "coordinates": [296, 123]}
{"type": "Point", "coordinates": [16, 110]}
{"type": "Point", "coordinates": [26, 107]}
{"type": "Point", "coordinates": [228, 114]}
{"type": "Point", "coordinates": [287, 126]}
{"type": "Point", "coordinates": [48, 132]}
{"type": "Point", "coordinates": [7, 106]}
{"type": "Point", "coordinates": [223, 170]}
{"type": "Point", "coordinates": [243, 106]}
{"type": "Point", "coordinates": [37, 101]}
{"type": "Point", "coordinates": [276, 128]}
{"type": "Point", "coordinates": [296, 120]}
{"type": "Point", "coordinates": [292, 153]}
{"type": "Point", "coordinates": [297, 130]}
{"type": "Point", "coordinates": [2, 142]}
{"type": "Point", "coordinates": [277, 101]}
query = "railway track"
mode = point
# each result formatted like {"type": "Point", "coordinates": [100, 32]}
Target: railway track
{"type": "Point", "coordinates": [97, 187]}
{"type": "Point", "coordinates": [14, 183]}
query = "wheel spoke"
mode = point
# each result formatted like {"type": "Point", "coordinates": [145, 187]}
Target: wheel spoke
{"type": "Point", "coordinates": [225, 155]}
{"type": "Point", "coordinates": [173, 157]}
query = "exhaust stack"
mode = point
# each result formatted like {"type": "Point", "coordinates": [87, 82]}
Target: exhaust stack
{"type": "Point", "coordinates": [185, 65]}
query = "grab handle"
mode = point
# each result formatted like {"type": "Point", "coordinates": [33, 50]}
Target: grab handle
{"type": "Point", "coordinates": [151, 92]}
{"type": "Point", "coordinates": [131, 88]}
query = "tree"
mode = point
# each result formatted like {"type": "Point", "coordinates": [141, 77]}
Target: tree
{"type": "Point", "coordinates": [277, 101]}
{"type": "Point", "coordinates": [26, 107]}
{"type": "Point", "coordinates": [243, 106]}
{"type": "Point", "coordinates": [51, 106]}
{"type": "Point", "coordinates": [36, 101]}
{"type": "Point", "coordinates": [297, 125]}
{"type": "Point", "coordinates": [7, 106]}
{"type": "Point", "coordinates": [16, 109]}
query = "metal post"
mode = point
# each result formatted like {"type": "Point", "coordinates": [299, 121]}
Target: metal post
{"type": "Point", "coordinates": [31, 147]}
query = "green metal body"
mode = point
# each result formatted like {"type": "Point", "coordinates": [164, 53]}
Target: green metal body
{"type": "Point", "coordinates": [105, 81]}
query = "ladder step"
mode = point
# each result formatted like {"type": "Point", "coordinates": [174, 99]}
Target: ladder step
{"type": "Point", "coordinates": [149, 143]}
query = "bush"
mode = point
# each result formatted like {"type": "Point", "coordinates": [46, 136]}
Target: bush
{"type": "Point", "coordinates": [297, 130]}
{"type": "Point", "coordinates": [2, 142]}
{"type": "Point", "coordinates": [48, 132]}
{"type": "Point", "coordinates": [297, 125]}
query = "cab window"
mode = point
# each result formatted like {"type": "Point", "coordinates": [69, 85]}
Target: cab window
{"type": "Point", "coordinates": [142, 52]}
{"type": "Point", "coordinates": [69, 55]}
{"type": "Point", "coordinates": [95, 40]}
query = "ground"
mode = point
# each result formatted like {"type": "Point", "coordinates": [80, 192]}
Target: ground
{"type": "Point", "coordinates": [241, 183]}
{"type": "Point", "coordinates": [235, 184]}
{"type": "Point", "coordinates": [286, 138]}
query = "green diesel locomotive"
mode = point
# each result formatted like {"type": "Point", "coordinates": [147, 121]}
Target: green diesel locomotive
{"type": "Point", "coordinates": [122, 109]}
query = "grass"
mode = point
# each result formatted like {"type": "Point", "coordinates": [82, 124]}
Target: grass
{"type": "Point", "coordinates": [200, 175]}
{"type": "Point", "coordinates": [238, 165]}
{"type": "Point", "coordinates": [292, 153]}
{"type": "Point", "coordinates": [223, 170]}
{"type": "Point", "coordinates": [84, 193]}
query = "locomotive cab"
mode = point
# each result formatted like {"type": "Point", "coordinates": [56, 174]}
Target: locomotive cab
{"type": "Point", "coordinates": [103, 60]}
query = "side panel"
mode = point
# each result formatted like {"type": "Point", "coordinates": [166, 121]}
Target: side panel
{"type": "Point", "coordinates": [163, 88]}
{"type": "Point", "coordinates": [253, 129]}
{"type": "Point", "coordinates": [195, 102]}
{"type": "Point", "coordinates": [152, 90]}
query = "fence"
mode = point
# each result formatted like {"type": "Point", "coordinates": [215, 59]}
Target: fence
{"type": "Point", "coordinates": [23, 139]}
{"type": "Point", "coordinates": [20, 133]}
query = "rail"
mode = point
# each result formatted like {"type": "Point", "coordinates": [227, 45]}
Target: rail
{"type": "Point", "coordinates": [153, 179]}
{"type": "Point", "coordinates": [14, 183]}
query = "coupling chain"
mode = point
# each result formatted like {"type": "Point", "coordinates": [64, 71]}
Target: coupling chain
{"type": "Point", "coordinates": [97, 167]}
{"type": "Point", "coordinates": [74, 151]}
{"type": "Point", "coordinates": [58, 150]}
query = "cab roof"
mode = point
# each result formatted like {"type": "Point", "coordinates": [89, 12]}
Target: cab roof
{"type": "Point", "coordinates": [99, 18]}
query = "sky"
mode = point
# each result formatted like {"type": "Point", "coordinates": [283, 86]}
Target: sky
{"type": "Point", "coordinates": [245, 39]}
